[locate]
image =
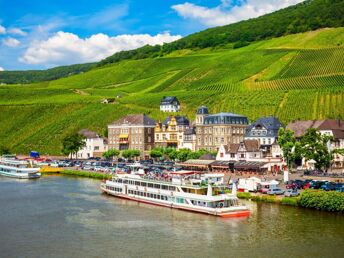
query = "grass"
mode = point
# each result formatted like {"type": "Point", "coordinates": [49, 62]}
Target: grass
{"type": "Point", "coordinates": [85, 174]}
{"type": "Point", "coordinates": [291, 201]}
{"type": "Point", "coordinates": [294, 77]}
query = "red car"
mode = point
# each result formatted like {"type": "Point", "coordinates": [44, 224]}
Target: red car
{"type": "Point", "coordinates": [264, 190]}
{"type": "Point", "coordinates": [291, 186]}
{"type": "Point", "coordinates": [306, 185]}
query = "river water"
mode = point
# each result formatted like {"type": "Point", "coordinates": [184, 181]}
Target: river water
{"type": "Point", "coordinates": [58, 216]}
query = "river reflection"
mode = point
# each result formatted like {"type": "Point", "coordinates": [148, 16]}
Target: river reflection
{"type": "Point", "coordinates": [60, 216]}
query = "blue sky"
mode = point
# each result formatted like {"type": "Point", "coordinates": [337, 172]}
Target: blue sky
{"type": "Point", "coordinates": [39, 34]}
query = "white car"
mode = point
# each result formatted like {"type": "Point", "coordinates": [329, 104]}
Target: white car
{"type": "Point", "coordinates": [291, 193]}
{"type": "Point", "coordinates": [275, 191]}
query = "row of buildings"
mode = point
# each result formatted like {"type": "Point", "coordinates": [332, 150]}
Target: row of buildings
{"type": "Point", "coordinates": [230, 135]}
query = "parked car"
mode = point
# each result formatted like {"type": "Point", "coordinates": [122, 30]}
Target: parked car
{"type": "Point", "coordinates": [87, 167]}
{"type": "Point", "coordinates": [317, 184]}
{"type": "Point", "coordinates": [291, 193]}
{"type": "Point", "coordinates": [328, 186]}
{"type": "Point", "coordinates": [275, 191]}
{"type": "Point", "coordinates": [98, 168]}
{"type": "Point", "coordinates": [264, 190]}
{"type": "Point", "coordinates": [340, 188]}
{"type": "Point", "coordinates": [307, 185]}
{"type": "Point", "coordinates": [291, 185]}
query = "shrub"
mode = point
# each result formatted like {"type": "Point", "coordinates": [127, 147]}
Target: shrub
{"type": "Point", "coordinates": [241, 195]}
{"type": "Point", "coordinates": [321, 200]}
{"type": "Point", "coordinates": [292, 201]}
{"type": "Point", "coordinates": [86, 174]}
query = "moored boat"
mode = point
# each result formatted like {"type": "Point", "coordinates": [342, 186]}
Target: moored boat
{"type": "Point", "coordinates": [21, 169]}
{"type": "Point", "coordinates": [185, 190]}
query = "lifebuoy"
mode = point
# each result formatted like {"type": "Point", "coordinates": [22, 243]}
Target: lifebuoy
{"type": "Point", "coordinates": [221, 204]}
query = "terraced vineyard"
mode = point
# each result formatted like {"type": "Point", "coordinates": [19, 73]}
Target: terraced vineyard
{"type": "Point", "coordinates": [265, 78]}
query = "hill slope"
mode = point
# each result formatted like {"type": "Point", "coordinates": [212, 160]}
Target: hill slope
{"type": "Point", "coordinates": [296, 76]}
{"type": "Point", "coordinates": [306, 16]}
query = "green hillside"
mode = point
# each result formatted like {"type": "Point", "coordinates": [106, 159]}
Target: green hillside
{"type": "Point", "coordinates": [298, 76]}
{"type": "Point", "coordinates": [309, 15]}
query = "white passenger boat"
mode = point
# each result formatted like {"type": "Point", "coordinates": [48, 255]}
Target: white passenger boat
{"type": "Point", "coordinates": [21, 169]}
{"type": "Point", "coordinates": [184, 190]}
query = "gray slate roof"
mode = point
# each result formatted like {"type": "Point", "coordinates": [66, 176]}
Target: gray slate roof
{"type": "Point", "coordinates": [139, 119]}
{"type": "Point", "coordinates": [225, 118]}
{"type": "Point", "coordinates": [270, 123]}
{"type": "Point", "coordinates": [169, 100]}
{"type": "Point", "coordinates": [181, 120]}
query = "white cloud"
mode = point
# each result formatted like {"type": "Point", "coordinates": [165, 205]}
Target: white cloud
{"type": "Point", "coordinates": [11, 42]}
{"type": "Point", "coordinates": [17, 31]}
{"type": "Point", "coordinates": [67, 48]}
{"type": "Point", "coordinates": [226, 13]}
{"type": "Point", "coordinates": [1, 69]}
{"type": "Point", "coordinates": [2, 30]}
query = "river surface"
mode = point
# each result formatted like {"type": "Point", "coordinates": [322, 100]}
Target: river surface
{"type": "Point", "coordinates": [58, 216]}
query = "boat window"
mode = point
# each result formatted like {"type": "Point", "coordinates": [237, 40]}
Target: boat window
{"type": "Point", "coordinates": [150, 185]}
{"type": "Point", "coordinates": [154, 196]}
{"type": "Point", "coordinates": [172, 188]}
{"type": "Point", "coordinates": [143, 184]}
{"type": "Point", "coordinates": [137, 182]}
{"type": "Point", "coordinates": [157, 186]}
{"type": "Point", "coordinates": [165, 187]}
{"type": "Point", "coordinates": [119, 180]}
{"type": "Point", "coordinates": [125, 181]}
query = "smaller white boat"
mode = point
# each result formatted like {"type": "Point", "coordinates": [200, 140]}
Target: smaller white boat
{"type": "Point", "coordinates": [21, 169]}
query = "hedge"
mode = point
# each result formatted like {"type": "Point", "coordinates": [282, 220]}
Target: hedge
{"type": "Point", "coordinates": [322, 200]}
{"type": "Point", "coordinates": [86, 174]}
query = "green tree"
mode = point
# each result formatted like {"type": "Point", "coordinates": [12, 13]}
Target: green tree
{"type": "Point", "coordinates": [71, 144]}
{"type": "Point", "coordinates": [4, 150]}
{"type": "Point", "coordinates": [315, 146]}
{"type": "Point", "coordinates": [110, 154]}
{"type": "Point", "coordinates": [183, 154]}
{"type": "Point", "coordinates": [156, 153]}
{"type": "Point", "coordinates": [129, 154]}
{"type": "Point", "coordinates": [287, 142]}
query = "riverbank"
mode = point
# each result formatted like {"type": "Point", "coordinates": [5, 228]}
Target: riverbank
{"type": "Point", "coordinates": [94, 175]}
{"type": "Point", "coordinates": [314, 199]}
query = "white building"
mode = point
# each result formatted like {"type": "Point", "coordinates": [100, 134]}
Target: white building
{"type": "Point", "coordinates": [169, 104]}
{"type": "Point", "coordinates": [95, 145]}
{"type": "Point", "coordinates": [333, 127]}
{"type": "Point", "coordinates": [264, 130]}
{"type": "Point", "coordinates": [250, 151]}
{"type": "Point", "coordinates": [188, 139]}
{"type": "Point", "coordinates": [245, 151]}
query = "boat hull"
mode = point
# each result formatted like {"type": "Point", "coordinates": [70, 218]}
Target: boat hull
{"type": "Point", "coordinates": [227, 214]}
{"type": "Point", "coordinates": [21, 175]}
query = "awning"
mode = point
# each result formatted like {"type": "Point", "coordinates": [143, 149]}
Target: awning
{"type": "Point", "coordinates": [123, 136]}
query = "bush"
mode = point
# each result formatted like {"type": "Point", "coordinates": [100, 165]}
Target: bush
{"type": "Point", "coordinates": [241, 195]}
{"type": "Point", "coordinates": [292, 201]}
{"type": "Point", "coordinates": [86, 174]}
{"type": "Point", "coordinates": [321, 200]}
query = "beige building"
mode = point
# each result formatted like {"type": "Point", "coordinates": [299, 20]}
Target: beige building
{"type": "Point", "coordinates": [170, 132]}
{"type": "Point", "coordinates": [132, 132]}
{"type": "Point", "coordinates": [222, 128]}
{"type": "Point", "coordinates": [188, 139]}
{"type": "Point", "coordinates": [95, 145]}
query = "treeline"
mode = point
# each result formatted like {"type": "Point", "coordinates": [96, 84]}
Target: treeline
{"type": "Point", "coordinates": [306, 16]}
{"type": "Point", "coordinates": [14, 77]}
